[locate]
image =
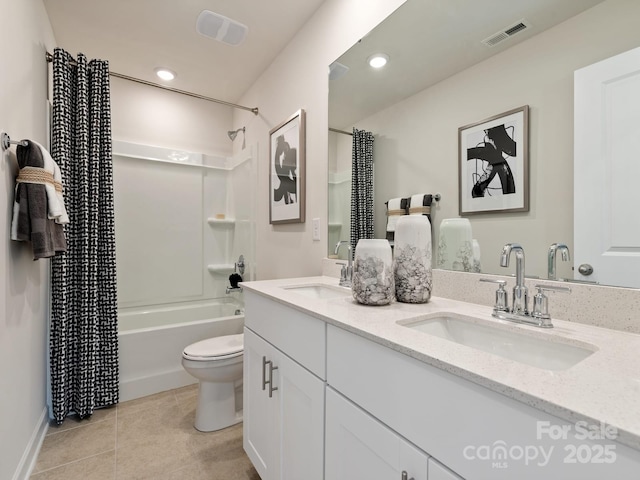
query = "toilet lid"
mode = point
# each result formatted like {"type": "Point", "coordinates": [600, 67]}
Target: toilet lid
{"type": "Point", "coordinates": [225, 346]}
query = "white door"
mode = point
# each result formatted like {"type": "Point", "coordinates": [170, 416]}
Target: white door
{"type": "Point", "coordinates": [437, 471]}
{"type": "Point", "coordinates": [260, 435]}
{"type": "Point", "coordinates": [607, 170]}
{"type": "Point", "coordinates": [360, 447]}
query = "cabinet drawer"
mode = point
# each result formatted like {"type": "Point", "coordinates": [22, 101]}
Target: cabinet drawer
{"type": "Point", "coordinates": [295, 333]}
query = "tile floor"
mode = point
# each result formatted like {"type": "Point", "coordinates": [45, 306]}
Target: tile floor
{"type": "Point", "coordinates": [147, 438]}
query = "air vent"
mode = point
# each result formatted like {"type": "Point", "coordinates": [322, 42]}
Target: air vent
{"type": "Point", "coordinates": [506, 33]}
{"type": "Point", "coordinates": [337, 70]}
{"type": "Point", "coordinates": [220, 28]}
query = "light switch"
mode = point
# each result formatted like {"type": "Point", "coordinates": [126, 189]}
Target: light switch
{"type": "Point", "coordinates": [316, 229]}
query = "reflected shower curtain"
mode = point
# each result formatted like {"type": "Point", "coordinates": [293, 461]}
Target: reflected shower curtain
{"type": "Point", "coordinates": [83, 333]}
{"type": "Point", "coordinates": [361, 186]}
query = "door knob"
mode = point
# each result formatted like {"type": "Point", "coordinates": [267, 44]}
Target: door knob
{"type": "Point", "coordinates": [585, 269]}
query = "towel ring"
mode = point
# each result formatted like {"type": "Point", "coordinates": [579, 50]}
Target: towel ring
{"type": "Point", "coordinates": [6, 141]}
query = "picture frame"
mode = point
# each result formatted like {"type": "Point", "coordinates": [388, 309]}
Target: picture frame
{"type": "Point", "coordinates": [287, 159]}
{"type": "Point", "coordinates": [493, 164]}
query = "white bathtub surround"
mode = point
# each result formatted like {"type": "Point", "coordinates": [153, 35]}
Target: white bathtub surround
{"type": "Point", "coordinates": [601, 388]}
{"type": "Point", "coordinates": [412, 259]}
{"type": "Point", "coordinates": [373, 280]}
{"type": "Point", "coordinates": [151, 342]}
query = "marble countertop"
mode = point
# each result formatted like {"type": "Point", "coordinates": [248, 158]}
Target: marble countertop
{"type": "Point", "coordinates": [604, 388]}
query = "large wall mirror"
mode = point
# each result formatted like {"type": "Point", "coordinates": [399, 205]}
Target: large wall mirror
{"type": "Point", "coordinates": [441, 76]}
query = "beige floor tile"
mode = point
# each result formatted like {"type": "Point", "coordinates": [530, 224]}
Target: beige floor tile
{"type": "Point", "coordinates": [73, 421]}
{"type": "Point", "coordinates": [189, 391]}
{"type": "Point", "coordinates": [98, 467]}
{"type": "Point", "coordinates": [151, 444]}
{"type": "Point", "coordinates": [77, 443]}
{"type": "Point", "coordinates": [152, 403]}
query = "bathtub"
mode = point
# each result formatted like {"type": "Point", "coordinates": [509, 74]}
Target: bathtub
{"type": "Point", "coordinates": [151, 341]}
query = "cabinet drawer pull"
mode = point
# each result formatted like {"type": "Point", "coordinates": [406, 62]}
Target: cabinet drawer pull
{"type": "Point", "coordinates": [271, 387]}
{"type": "Point", "coordinates": [264, 374]}
{"type": "Point", "coordinates": [405, 476]}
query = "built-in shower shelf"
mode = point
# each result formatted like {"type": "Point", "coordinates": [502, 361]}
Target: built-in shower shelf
{"type": "Point", "coordinates": [220, 222]}
{"type": "Point", "coordinates": [222, 268]}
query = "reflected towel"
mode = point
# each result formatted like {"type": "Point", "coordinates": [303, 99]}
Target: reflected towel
{"type": "Point", "coordinates": [396, 207]}
{"type": "Point", "coordinates": [420, 204]}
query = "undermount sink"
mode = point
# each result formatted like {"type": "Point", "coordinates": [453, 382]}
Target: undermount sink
{"type": "Point", "coordinates": [504, 342]}
{"type": "Point", "coordinates": [320, 291]}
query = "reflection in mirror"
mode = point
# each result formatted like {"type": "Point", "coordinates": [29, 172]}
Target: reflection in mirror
{"type": "Point", "coordinates": [440, 76]}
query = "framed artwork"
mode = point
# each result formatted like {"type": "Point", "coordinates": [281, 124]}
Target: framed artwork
{"type": "Point", "coordinates": [287, 170]}
{"type": "Point", "coordinates": [493, 165]}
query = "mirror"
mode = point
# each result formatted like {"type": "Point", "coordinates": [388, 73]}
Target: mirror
{"type": "Point", "coordinates": [440, 77]}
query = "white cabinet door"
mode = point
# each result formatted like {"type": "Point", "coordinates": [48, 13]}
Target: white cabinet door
{"type": "Point", "coordinates": [259, 425]}
{"type": "Point", "coordinates": [606, 170]}
{"type": "Point", "coordinates": [300, 404]}
{"type": "Point", "coordinates": [284, 421]}
{"type": "Point", "coordinates": [360, 447]}
{"type": "Point", "coordinates": [437, 471]}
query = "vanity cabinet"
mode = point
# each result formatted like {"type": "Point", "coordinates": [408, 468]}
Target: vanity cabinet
{"type": "Point", "coordinates": [359, 446]}
{"type": "Point", "coordinates": [283, 401]}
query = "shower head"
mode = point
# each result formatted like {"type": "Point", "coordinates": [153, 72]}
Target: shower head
{"type": "Point", "coordinates": [234, 133]}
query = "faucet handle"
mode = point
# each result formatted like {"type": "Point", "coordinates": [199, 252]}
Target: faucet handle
{"type": "Point", "coordinates": [541, 303]}
{"type": "Point", "coordinates": [502, 302]}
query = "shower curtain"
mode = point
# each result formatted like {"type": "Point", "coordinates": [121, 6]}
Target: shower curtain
{"type": "Point", "coordinates": [83, 330]}
{"type": "Point", "coordinates": [361, 186]}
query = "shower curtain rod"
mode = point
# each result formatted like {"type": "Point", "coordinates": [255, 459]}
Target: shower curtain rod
{"type": "Point", "coordinates": [340, 131]}
{"type": "Point", "coordinates": [254, 110]}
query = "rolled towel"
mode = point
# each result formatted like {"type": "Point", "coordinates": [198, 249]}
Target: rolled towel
{"type": "Point", "coordinates": [30, 220]}
{"type": "Point", "coordinates": [420, 204]}
{"type": "Point", "coordinates": [396, 207]}
{"type": "Point", "coordinates": [57, 209]}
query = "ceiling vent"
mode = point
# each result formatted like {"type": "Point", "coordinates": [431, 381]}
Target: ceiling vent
{"type": "Point", "coordinates": [337, 70]}
{"type": "Point", "coordinates": [221, 28]}
{"type": "Point", "coordinates": [508, 32]}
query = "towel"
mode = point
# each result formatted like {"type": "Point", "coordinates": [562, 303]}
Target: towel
{"type": "Point", "coordinates": [420, 204]}
{"type": "Point", "coordinates": [396, 207]}
{"type": "Point", "coordinates": [57, 209]}
{"type": "Point", "coordinates": [30, 209]}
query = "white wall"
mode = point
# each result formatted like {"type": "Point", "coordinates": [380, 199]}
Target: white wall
{"type": "Point", "coordinates": [298, 78]}
{"type": "Point", "coordinates": [416, 140]}
{"type": "Point", "coordinates": [25, 35]}
{"type": "Point", "coordinates": [151, 116]}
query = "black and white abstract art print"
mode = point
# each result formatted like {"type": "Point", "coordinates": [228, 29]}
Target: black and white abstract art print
{"type": "Point", "coordinates": [494, 164]}
{"type": "Point", "coordinates": [287, 176]}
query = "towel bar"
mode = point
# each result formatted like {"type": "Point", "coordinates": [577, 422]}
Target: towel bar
{"type": "Point", "coordinates": [6, 141]}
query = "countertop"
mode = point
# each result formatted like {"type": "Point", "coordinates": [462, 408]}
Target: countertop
{"type": "Point", "coordinates": [604, 388]}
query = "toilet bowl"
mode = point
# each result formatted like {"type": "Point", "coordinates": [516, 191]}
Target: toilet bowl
{"type": "Point", "coordinates": [217, 364]}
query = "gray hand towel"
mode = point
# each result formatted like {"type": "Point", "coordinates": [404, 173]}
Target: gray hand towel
{"type": "Point", "coordinates": [31, 220]}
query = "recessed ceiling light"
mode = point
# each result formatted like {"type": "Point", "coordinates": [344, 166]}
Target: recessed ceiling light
{"type": "Point", "coordinates": [378, 60]}
{"type": "Point", "coordinates": [165, 74]}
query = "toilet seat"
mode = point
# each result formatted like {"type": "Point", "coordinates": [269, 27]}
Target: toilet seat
{"type": "Point", "coordinates": [216, 348]}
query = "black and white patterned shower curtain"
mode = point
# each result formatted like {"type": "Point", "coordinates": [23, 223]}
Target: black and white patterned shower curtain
{"type": "Point", "coordinates": [84, 319]}
{"type": "Point", "coordinates": [361, 186]}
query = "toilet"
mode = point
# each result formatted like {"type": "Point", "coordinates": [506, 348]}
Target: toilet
{"type": "Point", "coordinates": [217, 364]}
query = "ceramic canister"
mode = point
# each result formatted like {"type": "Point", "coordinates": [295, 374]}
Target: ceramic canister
{"type": "Point", "coordinates": [412, 259]}
{"type": "Point", "coordinates": [372, 282]}
{"type": "Point", "coordinates": [455, 248]}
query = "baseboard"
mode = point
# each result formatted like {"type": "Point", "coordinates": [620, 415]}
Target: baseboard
{"type": "Point", "coordinates": [131, 389]}
{"type": "Point", "coordinates": [30, 455]}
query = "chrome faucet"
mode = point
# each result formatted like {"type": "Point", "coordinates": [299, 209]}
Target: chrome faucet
{"type": "Point", "coordinates": [551, 266]}
{"type": "Point", "coordinates": [347, 271]}
{"type": "Point", "coordinates": [520, 291]}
